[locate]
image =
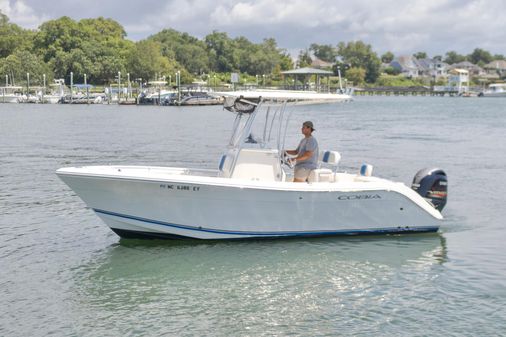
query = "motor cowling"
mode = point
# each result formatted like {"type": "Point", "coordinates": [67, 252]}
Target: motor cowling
{"type": "Point", "coordinates": [432, 184]}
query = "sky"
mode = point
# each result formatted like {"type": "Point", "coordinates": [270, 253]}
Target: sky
{"type": "Point", "coordinates": [402, 27]}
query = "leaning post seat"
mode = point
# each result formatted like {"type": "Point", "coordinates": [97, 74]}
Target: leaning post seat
{"type": "Point", "coordinates": [330, 158]}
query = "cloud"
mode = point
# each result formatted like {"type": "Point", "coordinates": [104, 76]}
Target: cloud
{"type": "Point", "coordinates": [433, 26]}
{"type": "Point", "coordinates": [22, 14]}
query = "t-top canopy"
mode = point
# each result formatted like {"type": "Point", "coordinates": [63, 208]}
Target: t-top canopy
{"type": "Point", "coordinates": [239, 105]}
{"type": "Point", "coordinates": [307, 71]}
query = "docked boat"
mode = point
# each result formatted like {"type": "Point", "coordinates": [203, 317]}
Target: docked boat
{"type": "Point", "coordinates": [495, 90]}
{"type": "Point", "coordinates": [251, 193]}
{"type": "Point", "coordinates": [11, 94]}
{"type": "Point", "coordinates": [50, 98]}
{"type": "Point", "coordinates": [199, 98]}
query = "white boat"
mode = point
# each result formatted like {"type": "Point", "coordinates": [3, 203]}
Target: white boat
{"type": "Point", "coordinates": [495, 90]}
{"type": "Point", "coordinates": [50, 98]}
{"type": "Point", "coordinates": [251, 194]}
{"type": "Point", "coordinates": [10, 94]}
{"type": "Point", "coordinates": [56, 94]}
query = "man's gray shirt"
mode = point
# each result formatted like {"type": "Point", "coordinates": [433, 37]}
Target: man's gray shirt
{"type": "Point", "coordinates": [308, 144]}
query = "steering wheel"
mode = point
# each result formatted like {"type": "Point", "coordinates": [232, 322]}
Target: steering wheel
{"type": "Point", "coordinates": [286, 160]}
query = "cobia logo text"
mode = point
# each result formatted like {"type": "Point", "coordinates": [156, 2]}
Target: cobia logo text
{"type": "Point", "coordinates": [359, 197]}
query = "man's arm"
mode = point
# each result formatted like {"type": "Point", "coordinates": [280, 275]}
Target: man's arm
{"type": "Point", "coordinates": [305, 156]}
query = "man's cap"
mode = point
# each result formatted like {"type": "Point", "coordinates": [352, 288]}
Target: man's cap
{"type": "Point", "coordinates": [309, 124]}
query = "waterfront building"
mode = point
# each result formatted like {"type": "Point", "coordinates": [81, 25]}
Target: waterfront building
{"type": "Point", "coordinates": [497, 67]}
{"type": "Point", "coordinates": [474, 70]}
{"type": "Point", "coordinates": [458, 80]}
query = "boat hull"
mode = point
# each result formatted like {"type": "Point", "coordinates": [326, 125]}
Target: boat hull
{"type": "Point", "coordinates": [219, 208]}
{"type": "Point", "coordinates": [10, 98]}
{"type": "Point", "coordinates": [494, 94]}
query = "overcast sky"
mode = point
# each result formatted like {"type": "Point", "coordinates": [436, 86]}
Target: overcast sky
{"type": "Point", "coordinates": [403, 27]}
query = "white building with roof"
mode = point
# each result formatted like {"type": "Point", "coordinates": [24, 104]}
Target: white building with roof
{"type": "Point", "coordinates": [407, 66]}
{"type": "Point", "coordinates": [458, 80]}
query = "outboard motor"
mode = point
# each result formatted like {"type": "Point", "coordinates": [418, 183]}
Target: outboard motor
{"type": "Point", "coordinates": [432, 185]}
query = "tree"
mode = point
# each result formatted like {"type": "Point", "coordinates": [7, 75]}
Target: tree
{"type": "Point", "coordinates": [387, 57]}
{"type": "Point", "coordinates": [220, 48]}
{"type": "Point", "coordinates": [285, 62]}
{"type": "Point", "coordinates": [146, 60]}
{"type": "Point", "coordinates": [453, 57]}
{"type": "Point", "coordinates": [420, 55]}
{"type": "Point", "coordinates": [304, 58]}
{"type": "Point", "coordinates": [185, 49]}
{"type": "Point", "coordinates": [360, 55]}
{"type": "Point", "coordinates": [356, 75]}
{"type": "Point", "coordinates": [392, 71]}
{"type": "Point", "coordinates": [21, 62]}
{"type": "Point", "coordinates": [272, 57]}
{"type": "Point", "coordinates": [13, 37]}
{"type": "Point", "coordinates": [324, 52]}
{"type": "Point", "coordinates": [95, 47]}
{"type": "Point", "coordinates": [480, 56]}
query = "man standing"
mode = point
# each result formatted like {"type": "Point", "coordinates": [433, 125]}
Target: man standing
{"type": "Point", "coordinates": [306, 154]}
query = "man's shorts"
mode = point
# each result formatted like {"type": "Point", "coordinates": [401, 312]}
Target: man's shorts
{"type": "Point", "coordinates": [301, 173]}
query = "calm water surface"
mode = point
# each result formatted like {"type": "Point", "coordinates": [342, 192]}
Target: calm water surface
{"type": "Point", "coordinates": [64, 273]}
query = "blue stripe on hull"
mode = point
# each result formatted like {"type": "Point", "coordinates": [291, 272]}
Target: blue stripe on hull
{"type": "Point", "coordinates": [248, 234]}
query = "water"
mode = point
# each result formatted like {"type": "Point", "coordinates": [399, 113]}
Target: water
{"type": "Point", "coordinates": [64, 273]}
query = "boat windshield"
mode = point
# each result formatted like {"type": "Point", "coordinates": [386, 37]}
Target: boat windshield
{"type": "Point", "coordinates": [257, 124]}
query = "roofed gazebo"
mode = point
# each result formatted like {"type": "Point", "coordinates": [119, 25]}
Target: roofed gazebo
{"type": "Point", "coordinates": [304, 74]}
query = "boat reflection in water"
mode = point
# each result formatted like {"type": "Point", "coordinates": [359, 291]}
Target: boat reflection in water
{"type": "Point", "coordinates": [167, 274]}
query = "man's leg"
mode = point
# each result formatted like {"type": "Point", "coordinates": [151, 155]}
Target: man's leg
{"type": "Point", "coordinates": [300, 175]}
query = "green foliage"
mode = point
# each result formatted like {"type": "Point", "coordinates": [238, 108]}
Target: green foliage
{"type": "Point", "coordinates": [387, 57]}
{"type": "Point", "coordinates": [21, 62]}
{"type": "Point", "coordinates": [397, 81]}
{"type": "Point", "coordinates": [324, 52]}
{"type": "Point", "coordinates": [480, 57]}
{"type": "Point", "coordinates": [356, 75]}
{"type": "Point", "coordinates": [420, 55]}
{"type": "Point", "coordinates": [241, 55]}
{"type": "Point", "coordinates": [13, 37]}
{"type": "Point", "coordinates": [304, 59]}
{"type": "Point", "coordinates": [187, 50]}
{"type": "Point", "coordinates": [145, 61]}
{"type": "Point", "coordinates": [256, 59]}
{"type": "Point", "coordinates": [221, 54]}
{"type": "Point", "coordinates": [360, 55]}
{"type": "Point", "coordinates": [286, 62]}
{"type": "Point", "coordinates": [95, 47]}
{"type": "Point", "coordinates": [453, 57]}
{"type": "Point", "coordinates": [391, 71]}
